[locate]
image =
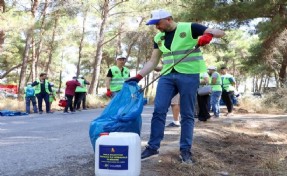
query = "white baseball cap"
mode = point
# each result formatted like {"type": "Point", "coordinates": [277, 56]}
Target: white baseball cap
{"type": "Point", "coordinates": [121, 57]}
{"type": "Point", "coordinates": [211, 68]}
{"type": "Point", "coordinates": [157, 15]}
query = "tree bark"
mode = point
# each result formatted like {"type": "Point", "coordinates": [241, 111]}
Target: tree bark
{"type": "Point", "coordinates": [99, 50]}
{"type": "Point", "coordinates": [82, 42]}
{"type": "Point", "coordinates": [2, 6]}
{"type": "Point", "coordinates": [24, 61]}
{"type": "Point", "coordinates": [22, 79]}
{"type": "Point", "coordinates": [52, 46]}
{"type": "Point", "coordinates": [40, 43]}
{"type": "Point", "coordinates": [119, 39]}
{"type": "Point", "coordinates": [282, 72]}
{"type": "Point", "coordinates": [2, 33]}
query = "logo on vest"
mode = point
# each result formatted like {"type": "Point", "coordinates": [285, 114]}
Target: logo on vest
{"type": "Point", "coordinates": [162, 37]}
{"type": "Point", "coordinates": [182, 35]}
{"type": "Point", "coordinates": [116, 72]}
{"type": "Point", "coordinates": [126, 72]}
{"type": "Point", "coordinates": [159, 43]}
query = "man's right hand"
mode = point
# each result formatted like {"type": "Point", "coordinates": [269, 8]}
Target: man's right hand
{"type": "Point", "coordinates": [137, 78]}
{"type": "Point", "coordinates": [109, 93]}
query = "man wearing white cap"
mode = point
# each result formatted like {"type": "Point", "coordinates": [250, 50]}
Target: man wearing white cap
{"type": "Point", "coordinates": [215, 82]}
{"type": "Point", "coordinates": [116, 76]}
{"type": "Point", "coordinates": [171, 44]}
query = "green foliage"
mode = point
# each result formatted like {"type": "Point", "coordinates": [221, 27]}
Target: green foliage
{"type": "Point", "coordinates": [245, 53]}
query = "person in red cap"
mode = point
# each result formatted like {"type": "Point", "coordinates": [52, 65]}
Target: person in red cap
{"type": "Point", "coordinates": [172, 43]}
{"type": "Point", "coordinates": [116, 76]}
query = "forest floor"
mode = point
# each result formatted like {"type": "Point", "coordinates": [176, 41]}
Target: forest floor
{"type": "Point", "coordinates": [245, 144]}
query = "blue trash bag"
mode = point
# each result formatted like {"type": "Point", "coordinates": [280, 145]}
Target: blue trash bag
{"type": "Point", "coordinates": [123, 113]}
{"type": "Point", "coordinates": [12, 113]}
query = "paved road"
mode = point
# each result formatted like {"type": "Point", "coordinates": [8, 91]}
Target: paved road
{"type": "Point", "coordinates": [51, 144]}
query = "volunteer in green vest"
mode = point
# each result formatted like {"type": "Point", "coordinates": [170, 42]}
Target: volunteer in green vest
{"type": "Point", "coordinates": [42, 91]}
{"type": "Point", "coordinates": [116, 76]}
{"type": "Point", "coordinates": [215, 82]}
{"type": "Point", "coordinates": [172, 43]}
{"type": "Point", "coordinates": [228, 88]}
{"type": "Point", "coordinates": [80, 93]}
{"type": "Point", "coordinates": [203, 100]}
{"type": "Point", "coordinates": [30, 97]}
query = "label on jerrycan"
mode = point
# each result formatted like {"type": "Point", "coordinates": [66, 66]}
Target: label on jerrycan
{"type": "Point", "coordinates": [113, 157]}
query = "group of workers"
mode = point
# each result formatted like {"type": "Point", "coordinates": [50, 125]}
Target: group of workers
{"type": "Point", "coordinates": [172, 43]}
{"type": "Point", "coordinates": [44, 90]}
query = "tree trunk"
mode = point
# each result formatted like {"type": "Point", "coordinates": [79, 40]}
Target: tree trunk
{"type": "Point", "coordinates": [33, 65]}
{"type": "Point", "coordinates": [60, 76]}
{"type": "Point", "coordinates": [30, 31]}
{"type": "Point", "coordinates": [40, 43]}
{"type": "Point", "coordinates": [138, 60]}
{"type": "Point", "coordinates": [81, 43]}
{"type": "Point", "coordinates": [99, 50]}
{"type": "Point", "coordinates": [119, 39]}
{"type": "Point", "coordinates": [2, 6]}
{"type": "Point", "coordinates": [22, 79]}
{"type": "Point", "coordinates": [260, 83]}
{"type": "Point", "coordinates": [52, 44]}
{"type": "Point", "coordinates": [2, 33]}
{"type": "Point", "coordinates": [282, 72]}
{"type": "Point", "coordinates": [2, 39]}
{"type": "Point", "coordinates": [276, 79]}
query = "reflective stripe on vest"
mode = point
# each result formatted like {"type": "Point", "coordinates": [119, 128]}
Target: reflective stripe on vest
{"type": "Point", "coordinates": [38, 87]}
{"type": "Point", "coordinates": [182, 43]}
{"type": "Point", "coordinates": [226, 84]}
{"type": "Point", "coordinates": [217, 85]}
{"type": "Point", "coordinates": [118, 78]}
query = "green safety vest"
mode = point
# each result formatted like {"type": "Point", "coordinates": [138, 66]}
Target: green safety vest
{"type": "Point", "coordinates": [181, 44]}
{"type": "Point", "coordinates": [81, 89]}
{"type": "Point", "coordinates": [217, 85]}
{"type": "Point", "coordinates": [51, 98]}
{"type": "Point", "coordinates": [118, 79]}
{"type": "Point", "coordinates": [38, 87]}
{"type": "Point", "coordinates": [226, 84]}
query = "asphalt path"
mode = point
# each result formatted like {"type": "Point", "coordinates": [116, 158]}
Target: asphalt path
{"type": "Point", "coordinates": [52, 144]}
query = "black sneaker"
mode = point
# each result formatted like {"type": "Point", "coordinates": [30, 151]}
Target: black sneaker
{"type": "Point", "coordinates": [149, 153]}
{"type": "Point", "coordinates": [186, 157]}
{"type": "Point", "coordinates": [172, 124]}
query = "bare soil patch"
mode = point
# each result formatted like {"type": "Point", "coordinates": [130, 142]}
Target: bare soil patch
{"type": "Point", "coordinates": [254, 145]}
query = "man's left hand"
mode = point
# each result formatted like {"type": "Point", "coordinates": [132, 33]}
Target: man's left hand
{"type": "Point", "coordinates": [204, 39]}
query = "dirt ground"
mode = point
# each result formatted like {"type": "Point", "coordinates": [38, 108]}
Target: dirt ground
{"type": "Point", "coordinates": [245, 144]}
{"type": "Point", "coordinates": [242, 145]}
